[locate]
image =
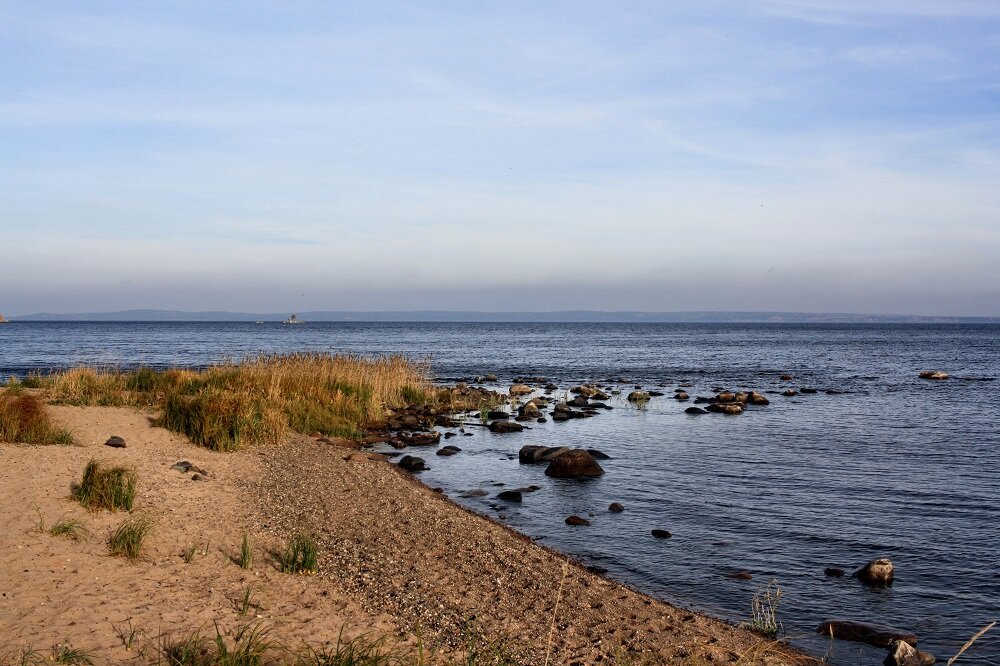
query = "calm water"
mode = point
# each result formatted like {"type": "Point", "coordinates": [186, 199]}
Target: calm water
{"type": "Point", "coordinates": [892, 466]}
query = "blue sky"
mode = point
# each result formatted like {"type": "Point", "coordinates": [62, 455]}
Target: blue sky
{"type": "Point", "coordinates": [271, 156]}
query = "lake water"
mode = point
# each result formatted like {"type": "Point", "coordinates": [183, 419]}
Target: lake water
{"type": "Point", "coordinates": [889, 465]}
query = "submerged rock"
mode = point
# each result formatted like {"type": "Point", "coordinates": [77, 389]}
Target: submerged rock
{"type": "Point", "coordinates": [577, 521]}
{"type": "Point", "coordinates": [864, 632]}
{"type": "Point", "coordinates": [510, 496]}
{"type": "Point", "coordinates": [879, 572]}
{"type": "Point", "coordinates": [505, 426]}
{"type": "Point", "coordinates": [833, 572]}
{"type": "Point", "coordinates": [661, 534]}
{"type": "Point", "coordinates": [695, 410]}
{"type": "Point", "coordinates": [412, 463]}
{"type": "Point", "coordinates": [573, 464]}
{"type": "Point", "coordinates": [934, 374]}
{"type": "Point", "coordinates": [616, 507]}
{"type": "Point", "coordinates": [520, 389]}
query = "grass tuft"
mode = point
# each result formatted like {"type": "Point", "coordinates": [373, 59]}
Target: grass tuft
{"type": "Point", "coordinates": [70, 527]}
{"type": "Point", "coordinates": [23, 419]}
{"type": "Point", "coordinates": [360, 651]}
{"type": "Point", "coordinates": [764, 611]}
{"type": "Point", "coordinates": [109, 488]}
{"type": "Point", "coordinates": [249, 647]}
{"type": "Point", "coordinates": [66, 654]}
{"type": "Point", "coordinates": [127, 540]}
{"type": "Point", "coordinates": [245, 558]}
{"type": "Point", "coordinates": [300, 556]}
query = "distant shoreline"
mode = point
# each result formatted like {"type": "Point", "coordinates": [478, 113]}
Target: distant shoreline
{"type": "Point", "coordinates": [555, 317]}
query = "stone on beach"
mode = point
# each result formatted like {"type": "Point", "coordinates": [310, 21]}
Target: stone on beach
{"type": "Point", "coordinates": [115, 442]}
{"type": "Point", "coordinates": [573, 464]}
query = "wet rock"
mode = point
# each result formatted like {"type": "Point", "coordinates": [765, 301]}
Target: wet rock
{"type": "Point", "coordinates": [695, 410]}
{"type": "Point", "coordinates": [789, 393]}
{"type": "Point", "coordinates": [520, 389]}
{"type": "Point", "coordinates": [864, 632]}
{"type": "Point", "coordinates": [475, 492]}
{"type": "Point", "coordinates": [505, 426]}
{"type": "Point", "coordinates": [578, 401]}
{"type": "Point", "coordinates": [598, 454]}
{"type": "Point", "coordinates": [700, 400]}
{"type": "Point", "coordinates": [601, 395]}
{"type": "Point", "coordinates": [661, 534]}
{"type": "Point", "coordinates": [726, 397]}
{"type": "Point", "coordinates": [732, 408]}
{"type": "Point", "coordinates": [879, 572]}
{"type": "Point", "coordinates": [551, 387]}
{"type": "Point", "coordinates": [741, 575]}
{"type": "Point", "coordinates": [541, 419]}
{"type": "Point", "coordinates": [755, 398]}
{"type": "Point", "coordinates": [653, 394]}
{"type": "Point", "coordinates": [902, 653]}
{"type": "Point", "coordinates": [807, 391]}
{"type": "Point", "coordinates": [446, 451]}
{"type": "Point", "coordinates": [449, 435]}
{"type": "Point", "coordinates": [115, 442]}
{"type": "Point", "coordinates": [417, 438]}
{"type": "Point", "coordinates": [638, 396]}
{"type": "Point", "coordinates": [489, 377]}
{"type": "Point", "coordinates": [529, 410]}
{"type": "Point", "coordinates": [786, 378]}
{"type": "Point", "coordinates": [833, 572]}
{"type": "Point", "coordinates": [411, 463]}
{"type": "Point", "coordinates": [616, 507]}
{"type": "Point", "coordinates": [510, 496]}
{"type": "Point", "coordinates": [573, 464]}
{"type": "Point", "coordinates": [934, 374]}
{"type": "Point", "coordinates": [681, 396]}
{"type": "Point", "coordinates": [577, 521]}
{"type": "Point", "coordinates": [594, 569]}
{"type": "Point", "coordinates": [497, 415]}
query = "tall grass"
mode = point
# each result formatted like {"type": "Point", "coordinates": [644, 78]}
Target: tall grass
{"type": "Point", "coordinates": [127, 540]}
{"type": "Point", "coordinates": [764, 611]}
{"type": "Point", "coordinates": [109, 488]}
{"type": "Point", "coordinates": [23, 419]}
{"type": "Point", "coordinates": [225, 407]}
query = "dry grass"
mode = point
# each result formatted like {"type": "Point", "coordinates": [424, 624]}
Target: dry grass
{"type": "Point", "coordinates": [228, 406]}
{"type": "Point", "coordinates": [23, 419]}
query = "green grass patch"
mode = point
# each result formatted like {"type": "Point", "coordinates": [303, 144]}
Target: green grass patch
{"type": "Point", "coordinates": [245, 557]}
{"type": "Point", "coordinates": [127, 540]}
{"type": "Point", "coordinates": [300, 556]}
{"type": "Point", "coordinates": [70, 528]}
{"type": "Point", "coordinates": [249, 647]}
{"type": "Point", "coordinates": [66, 654]}
{"type": "Point", "coordinates": [109, 488]}
{"type": "Point", "coordinates": [23, 419]}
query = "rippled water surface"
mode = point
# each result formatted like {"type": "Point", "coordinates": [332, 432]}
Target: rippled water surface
{"type": "Point", "coordinates": [889, 465]}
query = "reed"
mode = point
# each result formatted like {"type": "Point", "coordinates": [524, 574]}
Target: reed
{"type": "Point", "coordinates": [23, 419]}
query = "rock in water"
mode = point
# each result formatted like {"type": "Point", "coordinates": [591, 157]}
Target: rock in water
{"type": "Point", "coordinates": [577, 521]}
{"type": "Point", "coordinates": [863, 632]}
{"type": "Point", "coordinates": [934, 374]}
{"type": "Point", "coordinates": [879, 572]}
{"type": "Point", "coordinates": [505, 426]}
{"type": "Point", "coordinates": [902, 653]}
{"type": "Point", "coordinates": [510, 495]}
{"type": "Point", "coordinates": [638, 396]}
{"type": "Point", "coordinates": [520, 389]}
{"type": "Point", "coordinates": [573, 464]}
{"type": "Point", "coordinates": [661, 534]}
{"type": "Point", "coordinates": [412, 463]}
{"type": "Point", "coordinates": [834, 572]}
{"type": "Point", "coordinates": [695, 410]}
{"type": "Point", "coordinates": [616, 507]}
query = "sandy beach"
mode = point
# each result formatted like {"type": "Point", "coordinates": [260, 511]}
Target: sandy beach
{"type": "Point", "coordinates": [396, 559]}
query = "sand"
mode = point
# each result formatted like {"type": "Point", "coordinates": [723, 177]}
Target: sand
{"type": "Point", "coordinates": [396, 560]}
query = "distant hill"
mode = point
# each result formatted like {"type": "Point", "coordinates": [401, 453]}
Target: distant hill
{"type": "Point", "coordinates": [588, 316]}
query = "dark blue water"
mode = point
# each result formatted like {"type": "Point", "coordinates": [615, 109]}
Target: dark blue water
{"type": "Point", "coordinates": [889, 466]}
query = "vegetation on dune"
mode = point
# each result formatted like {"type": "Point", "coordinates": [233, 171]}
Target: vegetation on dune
{"type": "Point", "coordinates": [23, 419]}
{"type": "Point", "coordinates": [109, 488]}
{"type": "Point", "coordinates": [228, 406]}
{"type": "Point", "coordinates": [300, 556]}
{"type": "Point", "coordinates": [127, 540]}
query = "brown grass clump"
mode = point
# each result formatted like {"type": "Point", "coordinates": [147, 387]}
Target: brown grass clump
{"type": "Point", "coordinates": [228, 406]}
{"type": "Point", "coordinates": [23, 419]}
{"type": "Point", "coordinates": [110, 488]}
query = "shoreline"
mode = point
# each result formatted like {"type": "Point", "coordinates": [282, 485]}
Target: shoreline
{"type": "Point", "coordinates": [436, 568]}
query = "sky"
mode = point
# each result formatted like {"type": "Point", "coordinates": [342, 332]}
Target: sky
{"type": "Point", "coordinates": [787, 155]}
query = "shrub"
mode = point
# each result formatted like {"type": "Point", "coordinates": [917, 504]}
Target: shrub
{"type": "Point", "coordinates": [23, 419]}
{"type": "Point", "coordinates": [300, 556]}
{"type": "Point", "coordinates": [127, 540]}
{"type": "Point", "coordinates": [110, 488]}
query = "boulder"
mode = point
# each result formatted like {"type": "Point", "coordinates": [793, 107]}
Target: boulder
{"type": "Point", "coordinates": [601, 395]}
{"type": "Point", "coordinates": [489, 377]}
{"type": "Point", "coordinates": [934, 374]}
{"type": "Point", "coordinates": [577, 521]}
{"type": "Point", "coordinates": [505, 426]}
{"type": "Point", "coordinates": [497, 415]}
{"type": "Point", "coordinates": [598, 454]}
{"type": "Point", "coordinates": [755, 398]}
{"type": "Point", "coordinates": [638, 396]}
{"type": "Point", "coordinates": [412, 463]}
{"type": "Point", "coordinates": [879, 572]}
{"type": "Point", "coordinates": [656, 394]}
{"type": "Point", "coordinates": [789, 393]}
{"type": "Point", "coordinates": [520, 389]}
{"type": "Point", "coordinates": [578, 401]}
{"type": "Point", "coordinates": [529, 410]}
{"type": "Point", "coordinates": [573, 464]}
{"type": "Point", "coordinates": [733, 408]}
{"type": "Point", "coordinates": [726, 397]}
{"type": "Point", "coordinates": [660, 534]}
{"type": "Point", "coordinates": [741, 575]}
{"type": "Point", "coordinates": [115, 442]}
{"type": "Point", "coordinates": [864, 632]}
{"type": "Point", "coordinates": [695, 410]}
{"type": "Point", "coordinates": [682, 396]}
{"type": "Point", "coordinates": [902, 653]}
{"type": "Point", "coordinates": [510, 496]}
{"type": "Point", "coordinates": [475, 492]}
{"type": "Point", "coordinates": [531, 453]}
{"type": "Point", "coordinates": [807, 390]}
{"type": "Point", "coordinates": [446, 451]}
{"type": "Point", "coordinates": [616, 507]}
